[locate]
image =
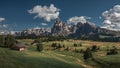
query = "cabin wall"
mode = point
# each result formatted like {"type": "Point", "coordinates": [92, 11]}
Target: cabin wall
{"type": "Point", "coordinates": [21, 49]}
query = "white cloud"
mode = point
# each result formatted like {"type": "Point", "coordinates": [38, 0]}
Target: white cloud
{"type": "Point", "coordinates": [112, 18]}
{"type": "Point", "coordinates": [3, 25]}
{"type": "Point", "coordinates": [36, 27]}
{"type": "Point", "coordinates": [48, 13]}
{"type": "Point", "coordinates": [100, 17]}
{"type": "Point", "coordinates": [75, 20]}
{"type": "Point", "coordinates": [106, 22]}
{"type": "Point", "coordinates": [2, 19]}
{"type": "Point", "coordinates": [43, 24]}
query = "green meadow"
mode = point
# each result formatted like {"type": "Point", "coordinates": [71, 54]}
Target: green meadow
{"type": "Point", "coordinates": [49, 58]}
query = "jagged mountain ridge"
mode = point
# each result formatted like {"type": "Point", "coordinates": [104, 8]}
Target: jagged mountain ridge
{"type": "Point", "coordinates": [85, 28]}
{"type": "Point", "coordinates": [60, 28]}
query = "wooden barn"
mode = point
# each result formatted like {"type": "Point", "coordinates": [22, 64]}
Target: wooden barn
{"type": "Point", "coordinates": [19, 47]}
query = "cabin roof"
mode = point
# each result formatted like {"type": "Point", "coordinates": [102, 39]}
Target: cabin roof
{"type": "Point", "coordinates": [20, 45]}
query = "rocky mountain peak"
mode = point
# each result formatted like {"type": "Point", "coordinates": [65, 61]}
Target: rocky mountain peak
{"type": "Point", "coordinates": [85, 28]}
{"type": "Point", "coordinates": [59, 29]}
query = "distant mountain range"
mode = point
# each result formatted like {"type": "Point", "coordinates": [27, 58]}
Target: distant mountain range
{"type": "Point", "coordinates": [63, 29]}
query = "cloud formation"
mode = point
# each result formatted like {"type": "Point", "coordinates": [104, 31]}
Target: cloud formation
{"type": "Point", "coordinates": [43, 24]}
{"type": "Point", "coordinates": [112, 18]}
{"type": "Point", "coordinates": [2, 19]}
{"type": "Point", "coordinates": [3, 25]}
{"type": "Point", "coordinates": [48, 13]}
{"type": "Point", "coordinates": [75, 20]}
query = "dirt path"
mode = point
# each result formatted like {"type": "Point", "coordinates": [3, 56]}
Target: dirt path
{"type": "Point", "coordinates": [84, 65]}
{"type": "Point", "coordinates": [80, 62]}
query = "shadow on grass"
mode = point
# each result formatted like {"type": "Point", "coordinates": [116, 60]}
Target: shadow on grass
{"type": "Point", "coordinates": [29, 62]}
{"type": "Point", "coordinates": [15, 59]}
{"type": "Point", "coordinates": [105, 64]}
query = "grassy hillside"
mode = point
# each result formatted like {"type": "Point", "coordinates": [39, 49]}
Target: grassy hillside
{"type": "Point", "coordinates": [111, 61]}
{"type": "Point", "coordinates": [33, 59]}
{"type": "Point", "coordinates": [30, 58]}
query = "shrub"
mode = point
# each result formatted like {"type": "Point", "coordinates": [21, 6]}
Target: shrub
{"type": "Point", "coordinates": [94, 48]}
{"type": "Point", "coordinates": [63, 46]}
{"type": "Point", "coordinates": [80, 44]}
{"type": "Point", "coordinates": [112, 51]}
{"type": "Point", "coordinates": [59, 46]}
{"type": "Point", "coordinates": [39, 47]}
{"type": "Point", "coordinates": [81, 51]}
{"type": "Point", "coordinates": [76, 51]}
{"type": "Point", "coordinates": [87, 54]}
{"type": "Point", "coordinates": [67, 48]}
{"type": "Point", "coordinates": [54, 45]}
{"type": "Point", "coordinates": [75, 45]}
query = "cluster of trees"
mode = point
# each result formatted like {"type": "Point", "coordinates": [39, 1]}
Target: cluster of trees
{"type": "Point", "coordinates": [96, 37]}
{"type": "Point", "coordinates": [7, 41]}
{"type": "Point", "coordinates": [112, 51]}
{"type": "Point", "coordinates": [95, 48]}
{"type": "Point", "coordinates": [78, 51]}
{"type": "Point", "coordinates": [39, 45]}
{"type": "Point", "coordinates": [28, 37]}
{"type": "Point", "coordinates": [57, 38]}
{"type": "Point", "coordinates": [110, 39]}
{"type": "Point", "coordinates": [45, 38]}
{"type": "Point", "coordinates": [57, 45]}
{"type": "Point", "coordinates": [75, 45]}
{"type": "Point", "coordinates": [87, 54]}
{"type": "Point", "coordinates": [60, 46]}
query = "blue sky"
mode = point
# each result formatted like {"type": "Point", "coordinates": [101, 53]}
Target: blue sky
{"type": "Point", "coordinates": [16, 13]}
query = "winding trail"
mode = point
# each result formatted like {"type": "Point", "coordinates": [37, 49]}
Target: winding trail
{"type": "Point", "coordinates": [81, 63]}
{"type": "Point", "coordinates": [84, 65]}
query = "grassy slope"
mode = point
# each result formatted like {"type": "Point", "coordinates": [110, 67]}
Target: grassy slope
{"type": "Point", "coordinates": [53, 59]}
{"type": "Point", "coordinates": [33, 59]}
{"type": "Point", "coordinates": [111, 61]}
{"type": "Point", "coordinates": [101, 60]}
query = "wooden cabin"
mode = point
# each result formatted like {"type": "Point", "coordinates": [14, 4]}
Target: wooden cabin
{"type": "Point", "coordinates": [19, 47]}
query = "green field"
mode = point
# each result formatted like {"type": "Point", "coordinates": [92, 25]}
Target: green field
{"type": "Point", "coordinates": [33, 59]}
{"type": "Point", "coordinates": [49, 58]}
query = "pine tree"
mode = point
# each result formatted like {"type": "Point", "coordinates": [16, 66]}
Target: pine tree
{"type": "Point", "coordinates": [1, 40]}
{"type": "Point", "coordinates": [39, 47]}
{"type": "Point", "coordinates": [87, 54]}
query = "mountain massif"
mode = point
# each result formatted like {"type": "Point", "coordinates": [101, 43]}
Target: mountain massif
{"type": "Point", "coordinates": [60, 28]}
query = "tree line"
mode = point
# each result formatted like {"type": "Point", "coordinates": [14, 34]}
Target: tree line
{"type": "Point", "coordinates": [7, 40]}
{"type": "Point", "coordinates": [94, 37]}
